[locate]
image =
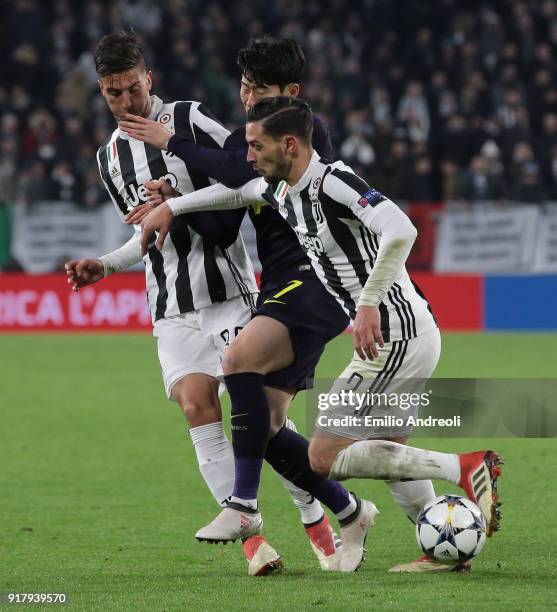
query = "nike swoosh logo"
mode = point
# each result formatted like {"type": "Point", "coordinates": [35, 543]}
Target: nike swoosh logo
{"type": "Point", "coordinates": [232, 416]}
{"type": "Point", "coordinates": [293, 284]}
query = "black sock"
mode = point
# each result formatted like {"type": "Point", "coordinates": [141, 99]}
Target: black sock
{"type": "Point", "coordinates": [287, 453]}
{"type": "Point", "coordinates": [249, 423]}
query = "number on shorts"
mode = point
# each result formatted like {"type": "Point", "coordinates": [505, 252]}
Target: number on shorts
{"type": "Point", "coordinates": [225, 335]}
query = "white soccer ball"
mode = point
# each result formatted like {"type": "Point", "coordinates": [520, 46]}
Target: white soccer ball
{"type": "Point", "coordinates": [451, 529]}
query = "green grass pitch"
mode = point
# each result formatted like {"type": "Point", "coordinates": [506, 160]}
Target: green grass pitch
{"type": "Point", "coordinates": [100, 495]}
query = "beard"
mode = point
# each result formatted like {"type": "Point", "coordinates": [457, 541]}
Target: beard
{"type": "Point", "coordinates": [278, 172]}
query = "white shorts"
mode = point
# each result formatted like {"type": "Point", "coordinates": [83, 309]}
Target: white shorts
{"type": "Point", "coordinates": [194, 342]}
{"type": "Point", "coordinates": [403, 367]}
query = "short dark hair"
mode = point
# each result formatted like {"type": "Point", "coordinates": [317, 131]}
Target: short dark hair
{"type": "Point", "coordinates": [272, 61]}
{"type": "Point", "coordinates": [118, 52]}
{"type": "Point", "coordinates": [284, 115]}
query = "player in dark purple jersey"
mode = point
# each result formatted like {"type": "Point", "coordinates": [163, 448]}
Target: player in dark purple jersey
{"type": "Point", "coordinates": [276, 354]}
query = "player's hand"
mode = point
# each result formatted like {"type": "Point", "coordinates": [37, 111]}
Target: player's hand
{"type": "Point", "coordinates": [151, 132]}
{"type": "Point", "coordinates": [83, 272]}
{"type": "Point", "coordinates": [136, 216]}
{"type": "Point", "coordinates": [158, 220]}
{"type": "Point", "coordinates": [158, 192]}
{"type": "Point", "coordinates": [367, 332]}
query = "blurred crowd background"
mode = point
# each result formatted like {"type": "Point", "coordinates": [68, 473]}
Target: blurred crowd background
{"type": "Point", "coordinates": [429, 101]}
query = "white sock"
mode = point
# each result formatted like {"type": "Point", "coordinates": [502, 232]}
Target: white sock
{"type": "Point", "coordinates": [383, 460]}
{"type": "Point", "coordinates": [215, 459]}
{"type": "Point", "coordinates": [412, 495]}
{"type": "Point", "coordinates": [310, 508]}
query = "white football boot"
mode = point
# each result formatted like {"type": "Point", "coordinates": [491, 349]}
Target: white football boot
{"type": "Point", "coordinates": [262, 558]}
{"type": "Point", "coordinates": [234, 522]}
{"type": "Point", "coordinates": [354, 534]}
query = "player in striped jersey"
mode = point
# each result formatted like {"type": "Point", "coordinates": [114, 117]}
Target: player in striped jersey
{"type": "Point", "coordinates": [358, 242]}
{"type": "Point", "coordinates": [200, 294]}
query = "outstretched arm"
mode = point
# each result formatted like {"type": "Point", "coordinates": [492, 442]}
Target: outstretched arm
{"type": "Point", "coordinates": [228, 167]}
{"type": "Point", "coordinates": [215, 197]}
{"type": "Point", "coordinates": [83, 272]}
{"type": "Point", "coordinates": [219, 197]}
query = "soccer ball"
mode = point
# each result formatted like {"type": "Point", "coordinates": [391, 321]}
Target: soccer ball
{"type": "Point", "coordinates": [451, 529]}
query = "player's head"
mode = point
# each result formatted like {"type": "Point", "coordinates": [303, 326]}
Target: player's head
{"type": "Point", "coordinates": [124, 80]}
{"type": "Point", "coordinates": [270, 67]}
{"type": "Point", "coordinates": [278, 132]}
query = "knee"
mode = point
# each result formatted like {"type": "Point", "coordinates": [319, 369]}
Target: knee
{"type": "Point", "coordinates": [198, 411]}
{"type": "Point", "coordinates": [320, 462]}
{"type": "Point", "coordinates": [193, 411]}
{"type": "Point", "coordinates": [235, 361]}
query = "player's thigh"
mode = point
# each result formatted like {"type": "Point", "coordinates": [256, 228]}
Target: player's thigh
{"type": "Point", "coordinates": [263, 346]}
{"type": "Point", "coordinates": [312, 318]}
{"type": "Point", "coordinates": [184, 350]}
{"type": "Point", "coordinates": [373, 399]}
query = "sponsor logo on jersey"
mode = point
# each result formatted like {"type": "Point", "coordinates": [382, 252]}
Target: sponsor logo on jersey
{"type": "Point", "coordinates": [372, 197]}
{"type": "Point", "coordinates": [137, 194]}
{"type": "Point", "coordinates": [165, 118]}
{"type": "Point", "coordinates": [114, 172]}
{"type": "Point", "coordinates": [311, 243]}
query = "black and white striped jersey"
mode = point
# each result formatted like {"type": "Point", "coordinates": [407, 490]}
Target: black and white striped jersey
{"type": "Point", "coordinates": [190, 272]}
{"type": "Point", "coordinates": [331, 210]}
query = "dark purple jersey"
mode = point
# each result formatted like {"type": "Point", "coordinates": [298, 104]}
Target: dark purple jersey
{"type": "Point", "coordinates": [279, 251]}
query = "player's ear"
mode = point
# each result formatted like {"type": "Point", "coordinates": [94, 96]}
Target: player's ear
{"type": "Point", "coordinates": [101, 85]}
{"type": "Point", "coordinates": [292, 89]}
{"type": "Point", "coordinates": [290, 144]}
{"type": "Point", "coordinates": [149, 80]}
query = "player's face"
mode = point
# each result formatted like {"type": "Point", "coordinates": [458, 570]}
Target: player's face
{"type": "Point", "coordinates": [251, 93]}
{"type": "Point", "coordinates": [128, 92]}
{"type": "Point", "coordinates": [268, 156]}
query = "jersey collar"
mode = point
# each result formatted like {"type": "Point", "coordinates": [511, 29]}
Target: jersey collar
{"type": "Point", "coordinates": [306, 176]}
{"type": "Point", "coordinates": [156, 107]}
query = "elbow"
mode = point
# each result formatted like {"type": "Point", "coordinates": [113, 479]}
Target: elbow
{"type": "Point", "coordinates": [399, 245]}
{"type": "Point", "coordinates": [407, 233]}
{"type": "Point", "coordinates": [405, 237]}
{"type": "Point", "coordinates": [401, 242]}
{"type": "Point", "coordinates": [412, 233]}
